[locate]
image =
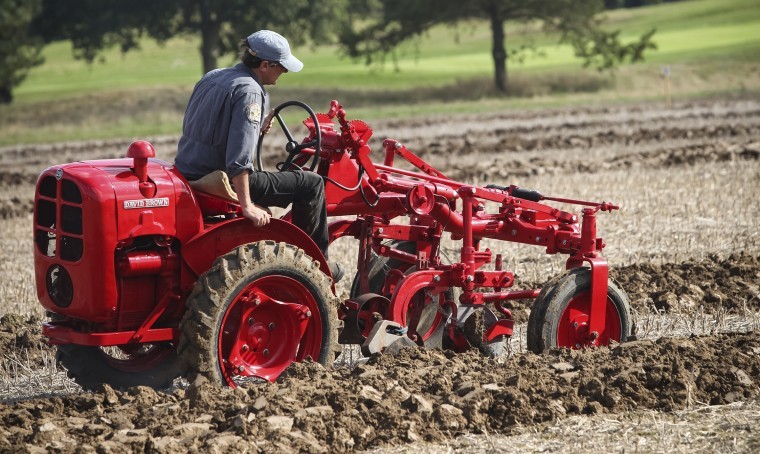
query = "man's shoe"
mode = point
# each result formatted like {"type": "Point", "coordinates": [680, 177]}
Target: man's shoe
{"type": "Point", "coordinates": [336, 269]}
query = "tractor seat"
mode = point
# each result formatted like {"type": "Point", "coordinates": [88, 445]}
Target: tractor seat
{"type": "Point", "coordinates": [215, 195]}
{"type": "Point", "coordinates": [212, 205]}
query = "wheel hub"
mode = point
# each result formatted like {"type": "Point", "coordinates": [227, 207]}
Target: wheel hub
{"type": "Point", "coordinates": [573, 330]}
{"type": "Point", "coordinates": [267, 340]}
{"type": "Point", "coordinates": [578, 335]}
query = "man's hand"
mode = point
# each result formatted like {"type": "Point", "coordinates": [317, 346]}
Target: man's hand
{"type": "Point", "coordinates": [259, 216]}
{"type": "Point", "coordinates": [267, 125]}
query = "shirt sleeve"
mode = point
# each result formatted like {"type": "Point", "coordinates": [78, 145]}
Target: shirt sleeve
{"type": "Point", "coordinates": [243, 136]}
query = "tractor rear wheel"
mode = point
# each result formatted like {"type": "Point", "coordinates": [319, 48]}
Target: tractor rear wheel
{"type": "Point", "coordinates": [559, 316]}
{"type": "Point", "coordinates": [258, 309]}
{"type": "Point", "coordinates": [121, 367]}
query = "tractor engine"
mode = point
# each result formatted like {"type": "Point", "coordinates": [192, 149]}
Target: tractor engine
{"type": "Point", "coordinates": [107, 239]}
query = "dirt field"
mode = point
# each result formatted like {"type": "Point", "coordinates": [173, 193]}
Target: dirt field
{"type": "Point", "coordinates": [685, 246]}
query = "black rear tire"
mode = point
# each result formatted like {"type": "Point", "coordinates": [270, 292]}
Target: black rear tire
{"type": "Point", "coordinates": [211, 306]}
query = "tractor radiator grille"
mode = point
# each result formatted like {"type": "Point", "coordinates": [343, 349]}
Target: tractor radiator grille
{"type": "Point", "coordinates": [58, 219]}
{"type": "Point", "coordinates": [132, 320]}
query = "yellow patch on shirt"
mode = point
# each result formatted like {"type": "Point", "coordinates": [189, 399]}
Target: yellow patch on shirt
{"type": "Point", "coordinates": [253, 112]}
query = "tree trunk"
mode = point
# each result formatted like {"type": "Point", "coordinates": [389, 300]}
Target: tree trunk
{"type": "Point", "coordinates": [209, 37]}
{"type": "Point", "coordinates": [6, 95]}
{"type": "Point", "coordinates": [498, 49]}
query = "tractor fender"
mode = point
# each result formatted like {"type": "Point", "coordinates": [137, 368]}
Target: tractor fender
{"type": "Point", "coordinates": [200, 252]}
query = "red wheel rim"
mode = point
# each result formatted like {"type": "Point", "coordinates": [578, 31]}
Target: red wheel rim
{"type": "Point", "coordinates": [136, 358]}
{"type": "Point", "coordinates": [572, 331]}
{"type": "Point", "coordinates": [261, 329]}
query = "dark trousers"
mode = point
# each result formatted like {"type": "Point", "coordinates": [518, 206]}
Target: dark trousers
{"type": "Point", "coordinates": [305, 190]}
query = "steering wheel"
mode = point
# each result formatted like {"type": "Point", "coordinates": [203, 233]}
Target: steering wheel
{"type": "Point", "coordinates": [293, 148]}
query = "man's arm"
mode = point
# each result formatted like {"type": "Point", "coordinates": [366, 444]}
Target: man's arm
{"type": "Point", "coordinates": [259, 216]}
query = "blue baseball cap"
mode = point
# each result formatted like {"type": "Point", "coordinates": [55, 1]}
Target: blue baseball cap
{"type": "Point", "coordinates": [269, 45]}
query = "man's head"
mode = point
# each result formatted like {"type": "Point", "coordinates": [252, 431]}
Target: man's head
{"type": "Point", "coordinates": [271, 46]}
{"type": "Point", "coordinates": [269, 54]}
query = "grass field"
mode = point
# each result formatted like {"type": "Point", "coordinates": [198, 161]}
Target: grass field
{"type": "Point", "coordinates": [712, 47]}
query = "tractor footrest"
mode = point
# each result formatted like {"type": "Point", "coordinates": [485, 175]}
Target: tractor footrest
{"type": "Point", "coordinates": [59, 334]}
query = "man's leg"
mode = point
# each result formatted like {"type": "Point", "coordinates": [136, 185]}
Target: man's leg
{"type": "Point", "coordinates": [305, 190]}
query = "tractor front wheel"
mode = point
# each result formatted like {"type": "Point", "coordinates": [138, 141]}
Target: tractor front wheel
{"type": "Point", "coordinates": [257, 310]}
{"type": "Point", "coordinates": [560, 315]}
{"type": "Point", "coordinates": [121, 367]}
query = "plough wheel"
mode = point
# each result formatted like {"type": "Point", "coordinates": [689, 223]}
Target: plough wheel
{"type": "Point", "coordinates": [423, 317]}
{"type": "Point", "coordinates": [559, 316]}
{"type": "Point", "coordinates": [258, 309]}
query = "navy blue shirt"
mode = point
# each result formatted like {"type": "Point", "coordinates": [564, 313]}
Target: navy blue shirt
{"type": "Point", "coordinates": [222, 123]}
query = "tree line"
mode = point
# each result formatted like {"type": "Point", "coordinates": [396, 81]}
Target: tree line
{"type": "Point", "coordinates": [364, 29]}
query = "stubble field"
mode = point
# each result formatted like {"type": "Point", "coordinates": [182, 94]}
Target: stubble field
{"type": "Point", "coordinates": [685, 247]}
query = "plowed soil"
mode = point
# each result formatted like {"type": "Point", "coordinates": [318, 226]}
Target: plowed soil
{"type": "Point", "coordinates": [684, 244]}
{"type": "Point", "coordinates": [416, 395]}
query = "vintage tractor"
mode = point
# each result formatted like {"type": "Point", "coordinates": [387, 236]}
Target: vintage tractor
{"type": "Point", "coordinates": [147, 278]}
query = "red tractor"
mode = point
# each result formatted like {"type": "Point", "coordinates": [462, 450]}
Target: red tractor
{"type": "Point", "coordinates": [147, 279]}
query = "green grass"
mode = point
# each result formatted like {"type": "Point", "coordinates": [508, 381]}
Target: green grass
{"type": "Point", "coordinates": [710, 45]}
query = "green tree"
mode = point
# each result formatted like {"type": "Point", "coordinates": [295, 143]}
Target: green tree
{"type": "Point", "coordinates": [93, 25]}
{"type": "Point", "coordinates": [395, 21]}
{"type": "Point", "coordinates": [19, 49]}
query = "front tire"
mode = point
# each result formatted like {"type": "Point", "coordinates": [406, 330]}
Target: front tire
{"type": "Point", "coordinates": [559, 316]}
{"type": "Point", "coordinates": [121, 367]}
{"type": "Point", "coordinates": [243, 316]}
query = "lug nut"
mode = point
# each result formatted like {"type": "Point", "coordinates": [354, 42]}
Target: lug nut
{"type": "Point", "coordinates": [245, 347]}
{"type": "Point", "coordinates": [272, 326]}
{"type": "Point", "coordinates": [251, 321]}
{"type": "Point", "coordinates": [469, 278]}
{"type": "Point", "coordinates": [436, 278]}
{"type": "Point", "coordinates": [308, 313]}
{"type": "Point", "coordinates": [241, 369]}
{"type": "Point", "coordinates": [575, 324]}
{"type": "Point", "coordinates": [265, 352]}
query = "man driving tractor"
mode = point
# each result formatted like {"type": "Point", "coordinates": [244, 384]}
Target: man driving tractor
{"type": "Point", "coordinates": [224, 119]}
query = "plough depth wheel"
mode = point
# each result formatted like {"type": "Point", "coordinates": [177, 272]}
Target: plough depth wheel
{"type": "Point", "coordinates": [258, 309]}
{"type": "Point", "coordinates": [559, 316]}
